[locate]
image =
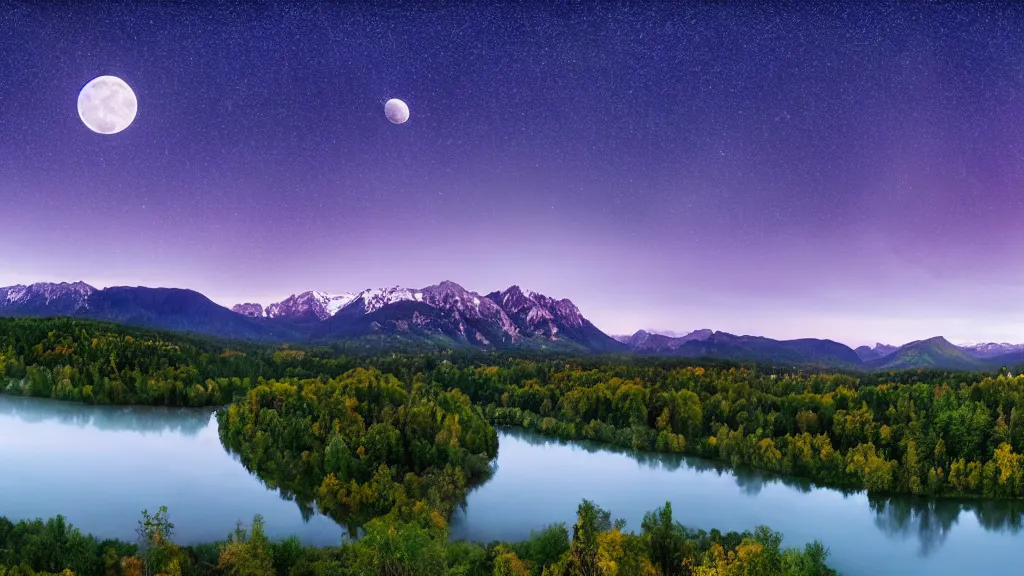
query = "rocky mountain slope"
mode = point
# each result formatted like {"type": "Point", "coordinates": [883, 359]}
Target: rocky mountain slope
{"type": "Point", "coordinates": [44, 299]}
{"type": "Point", "coordinates": [312, 305]}
{"type": "Point", "coordinates": [539, 316]}
{"type": "Point", "coordinates": [868, 353]}
{"type": "Point", "coordinates": [445, 312]}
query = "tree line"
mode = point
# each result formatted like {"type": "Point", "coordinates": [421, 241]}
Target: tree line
{"type": "Point", "coordinates": [105, 363]}
{"type": "Point", "coordinates": [412, 541]}
{"type": "Point", "coordinates": [936, 433]}
{"type": "Point", "coordinates": [941, 435]}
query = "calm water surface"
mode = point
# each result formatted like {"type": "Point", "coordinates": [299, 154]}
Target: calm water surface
{"type": "Point", "coordinates": [540, 481]}
{"type": "Point", "coordinates": [100, 466]}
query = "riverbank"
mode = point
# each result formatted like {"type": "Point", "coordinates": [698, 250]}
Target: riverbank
{"type": "Point", "coordinates": [409, 541]}
{"type": "Point", "coordinates": [926, 433]}
{"type": "Point", "coordinates": [145, 459]}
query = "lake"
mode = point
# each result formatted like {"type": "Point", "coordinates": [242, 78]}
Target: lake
{"type": "Point", "coordinates": [100, 466]}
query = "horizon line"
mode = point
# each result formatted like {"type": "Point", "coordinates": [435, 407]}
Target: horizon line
{"type": "Point", "coordinates": [670, 333]}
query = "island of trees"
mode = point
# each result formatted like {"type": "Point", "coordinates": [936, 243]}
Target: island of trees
{"type": "Point", "coordinates": [362, 443]}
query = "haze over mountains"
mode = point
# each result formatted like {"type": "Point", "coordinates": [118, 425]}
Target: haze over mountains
{"type": "Point", "coordinates": [448, 315]}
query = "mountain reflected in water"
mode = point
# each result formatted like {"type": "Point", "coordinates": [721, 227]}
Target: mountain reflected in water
{"type": "Point", "coordinates": [138, 419]}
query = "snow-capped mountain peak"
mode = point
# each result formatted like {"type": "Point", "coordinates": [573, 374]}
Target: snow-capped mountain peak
{"type": "Point", "coordinates": [505, 316]}
{"type": "Point", "coordinates": [467, 305]}
{"type": "Point", "coordinates": [376, 298]}
{"type": "Point", "coordinates": [992, 349]}
{"type": "Point", "coordinates": [46, 290]}
{"type": "Point", "coordinates": [60, 298]}
{"type": "Point", "coordinates": [331, 303]}
{"type": "Point", "coordinates": [443, 310]}
{"type": "Point", "coordinates": [45, 298]}
{"type": "Point", "coordinates": [323, 305]}
{"type": "Point", "coordinates": [309, 304]}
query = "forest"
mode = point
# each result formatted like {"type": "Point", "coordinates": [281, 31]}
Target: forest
{"type": "Point", "coordinates": [342, 428]}
{"type": "Point", "coordinates": [361, 444]}
{"type": "Point", "coordinates": [412, 541]}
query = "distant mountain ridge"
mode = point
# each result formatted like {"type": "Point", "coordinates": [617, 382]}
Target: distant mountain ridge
{"type": "Point", "coordinates": [446, 314]}
{"type": "Point", "coordinates": [442, 313]}
{"type": "Point", "coordinates": [709, 343]}
{"type": "Point", "coordinates": [642, 340]}
{"type": "Point", "coordinates": [173, 309]}
{"type": "Point", "coordinates": [868, 353]}
{"type": "Point", "coordinates": [934, 352]}
{"type": "Point", "coordinates": [992, 349]}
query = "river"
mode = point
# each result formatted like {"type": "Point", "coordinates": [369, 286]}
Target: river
{"type": "Point", "coordinates": [100, 466]}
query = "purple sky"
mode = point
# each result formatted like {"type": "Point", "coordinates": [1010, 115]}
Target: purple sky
{"type": "Point", "coordinates": [838, 172]}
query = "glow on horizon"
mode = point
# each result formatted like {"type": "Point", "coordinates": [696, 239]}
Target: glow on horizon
{"type": "Point", "coordinates": [775, 322]}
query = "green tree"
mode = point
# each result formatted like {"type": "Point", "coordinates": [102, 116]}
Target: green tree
{"type": "Point", "coordinates": [247, 554]}
{"type": "Point", "coordinates": [664, 539]}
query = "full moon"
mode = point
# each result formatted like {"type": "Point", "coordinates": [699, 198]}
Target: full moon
{"type": "Point", "coordinates": [396, 111]}
{"type": "Point", "coordinates": [107, 105]}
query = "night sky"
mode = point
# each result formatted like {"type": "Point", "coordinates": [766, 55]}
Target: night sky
{"type": "Point", "coordinates": [839, 172]}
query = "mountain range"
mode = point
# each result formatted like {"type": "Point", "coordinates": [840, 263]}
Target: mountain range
{"type": "Point", "coordinates": [448, 315]}
{"type": "Point", "coordinates": [444, 314]}
{"type": "Point", "coordinates": [934, 352]}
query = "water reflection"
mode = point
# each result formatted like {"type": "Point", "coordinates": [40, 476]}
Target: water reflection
{"type": "Point", "coordinates": [303, 495]}
{"type": "Point", "coordinates": [750, 480]}
{"type": "Point", "coordinates": [140, 419]}
{"type": "Point", "coordinates": [932, 520]}
{"type": "Point", "coordinates": [928, 521]}
{"type": "Point", "coordinates": [303, 498]}
{"type": "Point", "coordinates": [126, 459]}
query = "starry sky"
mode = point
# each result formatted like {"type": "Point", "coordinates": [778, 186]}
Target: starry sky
{"type": "Point", "coordinates": [837, 171]}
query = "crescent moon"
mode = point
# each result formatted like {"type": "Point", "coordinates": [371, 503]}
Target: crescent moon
{"type": "Point", "coordinates": [396, 111]}
{"type": "Point", "coordinates": [107, 105]}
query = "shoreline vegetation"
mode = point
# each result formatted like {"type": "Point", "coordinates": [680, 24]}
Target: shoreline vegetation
{"type": "Point", "coordinates": [937, 434]}
{"type": "Point", "coordinates": [412, 541]}
{"type": "Point", "coordinates": [386, 440]}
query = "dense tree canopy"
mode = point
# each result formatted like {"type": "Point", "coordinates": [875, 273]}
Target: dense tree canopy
{"type": "Point", "coordinates": [943, 435]}
{"type": "Point", "coordinates": [361, 443]}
